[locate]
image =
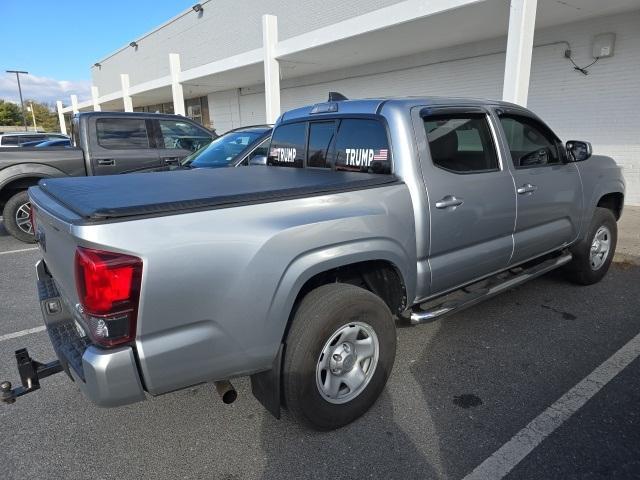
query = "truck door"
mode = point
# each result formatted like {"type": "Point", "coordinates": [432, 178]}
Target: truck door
{"type": "Point", "coordinates": [471, 196]}
{"type": "Point", "coordinates": [549, 191]}
{"type": "Point", "coordinates": [121, 145]}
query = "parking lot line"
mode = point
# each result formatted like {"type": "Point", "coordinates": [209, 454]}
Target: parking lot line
{"type": "Point", "coordinates": [19, 251]}
{"type": "Point", "coordinates": [522, 443]}
{"type": "Point", "coordinates": [22, 333]}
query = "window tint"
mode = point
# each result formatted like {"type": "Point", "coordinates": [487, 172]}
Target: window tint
{"type": "Point", "coordinates": [461, 143]}
{"type": "Point", "coordinates": [321, 135]}
{"type": "Point", "coordinates": [122, 133]}
{"type": "Point", "coordinates": [287, 145]}
{"type": "Point", "coordinates": [182, 135]}
{"type": "Point", "coordinates": [11, 140]}
{"type": "Point", "coordinates": [362, 146]}
{"type": "Point", "coordinates": [530, 143]}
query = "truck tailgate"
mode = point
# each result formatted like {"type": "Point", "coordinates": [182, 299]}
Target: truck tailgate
{"type": "Point", "coordinates": [115, 196]}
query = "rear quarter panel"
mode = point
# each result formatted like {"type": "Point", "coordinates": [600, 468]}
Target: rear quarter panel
{"type": "Point", "coordinates": [218, 285]}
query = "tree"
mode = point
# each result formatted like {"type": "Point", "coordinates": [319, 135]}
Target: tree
{"type": "Point", "coordinates": [46, 118]}
{"type": "Point", "coordinates": [10, 113]}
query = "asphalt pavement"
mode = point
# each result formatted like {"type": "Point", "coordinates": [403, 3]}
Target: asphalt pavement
{"type": "Point", "coordinates": [462, 388]}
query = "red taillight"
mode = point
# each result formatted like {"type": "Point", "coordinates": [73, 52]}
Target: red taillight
{"type": "Point", "coordinates": [108, 286]}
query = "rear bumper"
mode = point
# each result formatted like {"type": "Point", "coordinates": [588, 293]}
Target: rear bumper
{"type": "Point", "coordinates": [110, 377]}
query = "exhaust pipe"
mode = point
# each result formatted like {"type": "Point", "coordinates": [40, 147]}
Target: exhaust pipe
{"type": "Point", "coordinates": [226, 391]}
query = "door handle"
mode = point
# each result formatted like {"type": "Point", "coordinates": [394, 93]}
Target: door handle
{"type": "Point", "coordinates": [106, 161]}
{"type": "Point", "coordinates": [450, 201]}
{"type": "Point", "coordinates": [169, 160]}
{"type": "Point", "coordinates": [526, 188]}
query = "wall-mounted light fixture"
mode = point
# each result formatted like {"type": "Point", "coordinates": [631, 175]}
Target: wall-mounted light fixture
{"type": "Point", "coordinates": [197, 8]}
{"type": "Point", "coordinates": [97, 64]}
{"type": "Point", "coordinates": [133, 44]}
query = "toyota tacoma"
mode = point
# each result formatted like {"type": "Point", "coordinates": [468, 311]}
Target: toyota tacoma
{"type": "Point", "coordinates": [369, 213]}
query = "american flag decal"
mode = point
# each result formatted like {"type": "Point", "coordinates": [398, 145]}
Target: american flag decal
{"type": "Point", "coordinates": [380, 155]}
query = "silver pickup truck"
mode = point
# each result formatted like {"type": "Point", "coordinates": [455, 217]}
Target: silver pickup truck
{"type": "Point", "coordinates": [371, 212]}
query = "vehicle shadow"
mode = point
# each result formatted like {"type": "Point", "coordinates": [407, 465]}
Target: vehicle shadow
{"type": "Point", "coordinates": [372, 447]}
{"type": "Point", "coordinates": [491, 369]}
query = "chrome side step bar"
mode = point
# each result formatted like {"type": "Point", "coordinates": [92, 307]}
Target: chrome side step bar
{"type": "Point", "coordinates": [477, 292]}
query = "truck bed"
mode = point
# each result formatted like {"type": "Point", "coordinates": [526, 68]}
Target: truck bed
{"type": "Point", "coordinates": [116, 196]}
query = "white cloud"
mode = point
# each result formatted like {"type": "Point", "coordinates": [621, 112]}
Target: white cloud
{"type": "Point", "coordinates": [43, 89]}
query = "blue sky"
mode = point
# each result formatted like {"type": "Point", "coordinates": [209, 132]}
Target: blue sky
{"type": "Point", "coordinates": [57, 41]}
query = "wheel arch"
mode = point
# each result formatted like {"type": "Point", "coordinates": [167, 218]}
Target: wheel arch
{"type": "Point", "coordinates": [378, 265]}
{"type": "Point", "coordinates": [613, 201]}
{"type": "Point", "coordinates": [20, 177]}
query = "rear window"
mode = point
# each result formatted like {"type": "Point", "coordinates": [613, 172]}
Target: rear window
{"type": "Point", "coordinates": [362, 146]}
{"type": "Point", "coordinates": [321, 135]}
{"type": "Point", "coordinates": [356, 145]}
{"type": "Point", "coordinates": [288, 145]}
{"type": "Point", "coordinates": [122, 133]}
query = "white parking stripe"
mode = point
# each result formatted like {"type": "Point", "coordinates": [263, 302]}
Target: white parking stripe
{"type": "Point", "coordinates": [19, 251]}
{"type": "Point", "coordinates": [22, 333]}
{"type": "Point", "coordinates": [511, 453]}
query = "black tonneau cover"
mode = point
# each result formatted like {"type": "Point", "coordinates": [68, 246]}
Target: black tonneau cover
{"type": "Point", "coordinates": [115, 196]}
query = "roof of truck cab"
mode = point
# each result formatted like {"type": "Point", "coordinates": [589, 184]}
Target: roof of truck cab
{"type": "Point", "coordinates": [373, 106]}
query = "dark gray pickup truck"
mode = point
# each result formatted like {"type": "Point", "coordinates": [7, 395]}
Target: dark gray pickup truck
{"type": "Point", "coordinates": [105, 143]}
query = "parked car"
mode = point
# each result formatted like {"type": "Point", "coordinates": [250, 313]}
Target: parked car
{"type": "Point", "coordinates": [408, 208]}
{"type": "Point", "coordinates": [60, 142]}
{"type": "Point", "coordinates": [105, 143]}
{"type": "Point", "coordinates": [63, 142]}
{"type": "Point", "coordinates": [24, 139]}
{"type": "Point", "coordinates": [238, 147]}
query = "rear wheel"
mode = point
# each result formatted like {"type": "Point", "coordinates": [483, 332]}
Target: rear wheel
{"type": "Point", "coordinates": [592, 256]}
{"type": "Point", "coordinates": [16, 217]}
{"type": "Point", "coordinates": [339, 354]}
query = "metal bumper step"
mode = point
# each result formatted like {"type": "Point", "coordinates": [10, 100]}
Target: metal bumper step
{"type": "Point", "coordinates": [479, 291]}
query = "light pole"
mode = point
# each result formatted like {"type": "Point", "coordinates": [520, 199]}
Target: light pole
{"type": "Point", "coordinates": [33, 116]}
{"type": "Point", "coordinates": [18, 72]}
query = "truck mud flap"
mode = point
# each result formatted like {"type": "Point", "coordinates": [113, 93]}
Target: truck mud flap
{"type": "Point", "coordinates": [266, 387]}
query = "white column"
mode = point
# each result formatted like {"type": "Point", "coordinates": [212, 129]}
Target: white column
{"type": "Point", "coordinates": [63, 125]}
{"type": "Point", "coordinates": [517, 69]}
{"type": "Point", "coordinates": [126, 98]}
{"type": "Point", "coordinates": [271, 67]}
{"type": "Point", "coordinates": [94, 97]}
{"type": "Point", "coordinates": [176, 87]}
{"type": "Point", "coordinates": [74, 103]}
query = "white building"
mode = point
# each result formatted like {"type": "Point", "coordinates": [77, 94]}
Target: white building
{"type": "Point", "coordinates": [230, 63]}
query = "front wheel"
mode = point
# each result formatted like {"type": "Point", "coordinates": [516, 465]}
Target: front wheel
{"type": "Point", "coordinates": [16, 216]}
{"type": "Point", "coordinates": [339, 354]}
{"type": "Point", "coordinates": [592, 256]}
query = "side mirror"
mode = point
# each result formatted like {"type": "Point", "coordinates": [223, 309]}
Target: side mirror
{"type": "Point", "coordinates": [578, 151]}
{"type": "Point", "coordinates": [258, 160]}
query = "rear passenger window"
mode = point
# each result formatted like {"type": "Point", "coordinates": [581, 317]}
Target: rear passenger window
{"type": "Point", "coordinates": [362, 146]}
{"type": "Point", "coordinates": [288, 145]}
{"type": "Point", "coordinates": [122, 133]}
{"type": "Point", "coordinates": [461, 143]}
{"type": "Point", "coordinates": [321, 135]}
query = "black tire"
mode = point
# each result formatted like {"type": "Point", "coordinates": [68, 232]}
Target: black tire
{"type": "Point", "coordinates": [580, 269]}
{"type": "Point", "coordinates": [9, 217]}
{"type": "Point", "coordinates": [321, 313]}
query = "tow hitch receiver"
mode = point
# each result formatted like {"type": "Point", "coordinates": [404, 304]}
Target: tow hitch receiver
{"type": "Point", "coordinates": [31, 371]}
